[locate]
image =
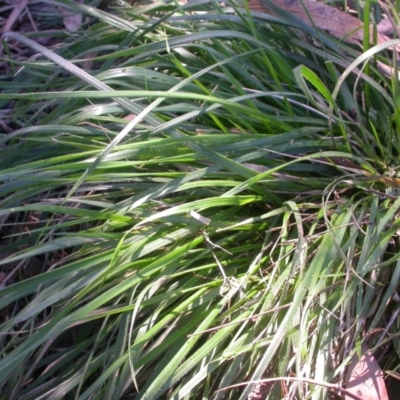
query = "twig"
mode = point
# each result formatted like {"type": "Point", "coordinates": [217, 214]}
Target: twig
{"type": "Point", "coordinates": [241, 320]}
{"type": "Point", "coordinates": [16, 12]}
{"type": "Point", "coordinates": [336, 388]}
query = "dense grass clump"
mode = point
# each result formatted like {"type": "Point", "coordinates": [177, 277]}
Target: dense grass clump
{"type": "Point", "coordinates": [195, 196]}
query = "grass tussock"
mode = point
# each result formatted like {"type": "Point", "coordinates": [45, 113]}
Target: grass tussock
{"type": "Point", "coordinates": [192, 197]}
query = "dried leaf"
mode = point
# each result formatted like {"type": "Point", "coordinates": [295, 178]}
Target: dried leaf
{"type": "Point", "coordinates": [337, 23]}
{"type": "Point", "coordinates": [385, 27]}
{"type": "Point", "coordinates": [72, 22]}
{"type": "Point", "coordinates": [364, 377]}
